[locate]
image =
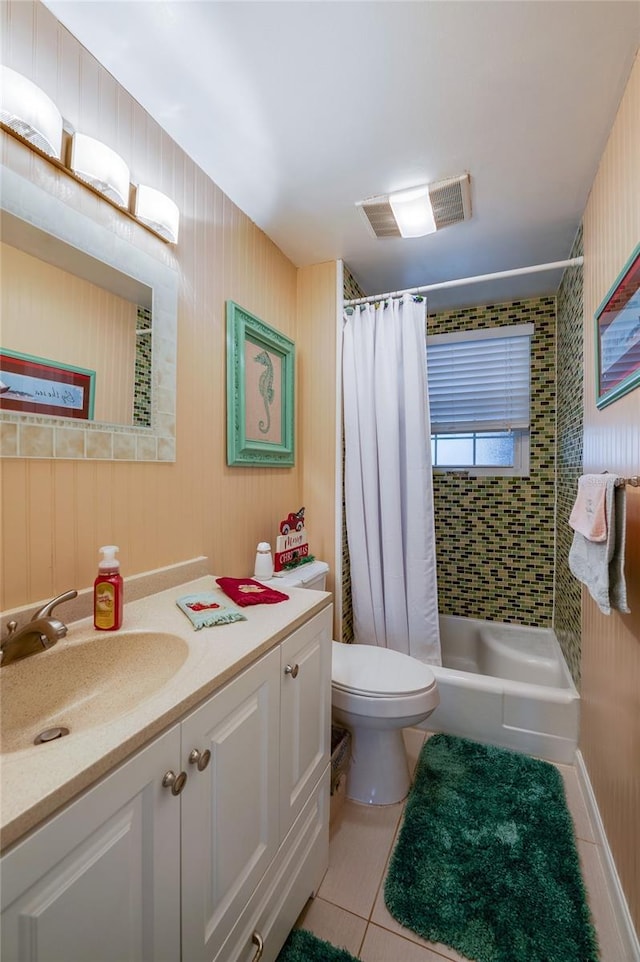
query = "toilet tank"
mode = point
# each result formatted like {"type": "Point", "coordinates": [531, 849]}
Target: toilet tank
{"type": "Point", "coordinates": [312, 575]}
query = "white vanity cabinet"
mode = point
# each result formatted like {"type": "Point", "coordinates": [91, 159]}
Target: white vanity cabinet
{"type": "Point", "coordinates": [132, 871]}
{"type": "Point", "coordinates": [268, 733]}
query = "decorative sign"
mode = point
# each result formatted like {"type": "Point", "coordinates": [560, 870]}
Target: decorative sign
{"type": "Point", "coordinates": [34, 385]}
{"type": "Point", "coordinates": [292, 545]}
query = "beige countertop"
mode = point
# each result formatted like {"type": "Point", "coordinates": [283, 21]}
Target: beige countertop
{"type": "Point", "coordinates": [36, 781]}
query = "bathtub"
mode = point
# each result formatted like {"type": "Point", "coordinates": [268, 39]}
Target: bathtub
{"type": "Point", "coordinates": [506, 685]}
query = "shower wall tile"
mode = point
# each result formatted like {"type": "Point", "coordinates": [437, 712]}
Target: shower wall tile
{"type": "Point", "coordinates": [569, 455]}
{"type": "Point", "coordinates": [495, 535]}
{"type": "Point", "coordinates": [350, 285]}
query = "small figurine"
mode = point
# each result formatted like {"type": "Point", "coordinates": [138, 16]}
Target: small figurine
{"type": "Point", "coordinates": [293, 521]}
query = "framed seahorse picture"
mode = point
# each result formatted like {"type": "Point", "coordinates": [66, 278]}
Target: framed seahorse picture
{"type": "Point", "coordinates": [260, 392]}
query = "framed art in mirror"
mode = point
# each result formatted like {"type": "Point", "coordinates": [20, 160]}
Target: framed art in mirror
{"type": "Point", "coordinates": [260, 392]}
{"type": "Point", "coordinates": [617, 335]}
{"type": "Point", "coordinates": [35, 385]}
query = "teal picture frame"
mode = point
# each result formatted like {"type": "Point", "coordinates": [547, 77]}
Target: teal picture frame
{"type": "Point", "coordinates": [617, 336]}
{"type": "Point", "coordinates": [260, 392]}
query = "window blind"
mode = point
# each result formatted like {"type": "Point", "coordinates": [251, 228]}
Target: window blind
{"type": "Point", "coordinates": [480, 380]}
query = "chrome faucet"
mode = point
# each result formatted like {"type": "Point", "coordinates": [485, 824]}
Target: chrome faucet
{"type": "Point", "coordinates": [42, 632]}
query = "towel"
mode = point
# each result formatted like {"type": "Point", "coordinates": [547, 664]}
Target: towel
{"type": "Point", "coordinates": [589, 516]}
{"type": "Point", "coordinates": [600, 565]}
{"type": "Point", "coordinates": [246, 591]}
{"type": "Point", "coordinates": [206, 609]}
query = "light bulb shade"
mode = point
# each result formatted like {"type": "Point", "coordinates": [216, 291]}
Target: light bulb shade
{"type": "Point", "coordinates": [413, 212]}
{"type": "Point", "coordinates": [28, 111]}
{"type": "Point", "coordinates": [158, 212]}
{"type": "Point", "coordinates": [100, 166]}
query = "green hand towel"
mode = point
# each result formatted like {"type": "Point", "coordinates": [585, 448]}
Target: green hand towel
{"type": "Point", "coordinates": [204, 610]}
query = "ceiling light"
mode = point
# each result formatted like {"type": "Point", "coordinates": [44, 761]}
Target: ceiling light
{"type": "Point", "coordinates": [420, 210]}
{"type": "Point", "coordinates": [30, 113]}
{"type": "Point", "coordinates": [158, 212]}
{"type": "Point", "coordinates": [413, 212]}
{"type": "Point", "coordinates": [101, 167]}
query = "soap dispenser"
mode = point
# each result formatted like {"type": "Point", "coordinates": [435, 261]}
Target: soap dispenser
{"type": "Point", "coordinates": [263, 568]}
{"type": "Point", "coordinates": [107, 591]}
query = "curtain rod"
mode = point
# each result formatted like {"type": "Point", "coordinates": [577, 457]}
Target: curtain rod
{"type": "Point", "coordinates": [458, 282]}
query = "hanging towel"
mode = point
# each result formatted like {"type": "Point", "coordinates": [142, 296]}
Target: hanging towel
{"type": "Point", "coordinates": [207, 609]}
{"type": "Point", "coordinates": [246, 591]}
{"type": "Point", "coordinates": [600, 565]}
{"type": "Point", "coordinates": [589, 516]}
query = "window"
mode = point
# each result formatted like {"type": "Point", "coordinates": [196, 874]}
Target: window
{"type": "Point", "coordinates": [479, 396]}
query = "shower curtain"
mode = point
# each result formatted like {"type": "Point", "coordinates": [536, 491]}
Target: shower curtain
{"type": "Point", "coordinates": [388, 480]}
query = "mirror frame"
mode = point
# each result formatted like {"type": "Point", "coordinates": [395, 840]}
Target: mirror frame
{"type": "Point", "coordinates": [44, 436]}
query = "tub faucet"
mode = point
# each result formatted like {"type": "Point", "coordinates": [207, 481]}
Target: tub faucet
{"type": "Point", "coordinates": [42, 632]}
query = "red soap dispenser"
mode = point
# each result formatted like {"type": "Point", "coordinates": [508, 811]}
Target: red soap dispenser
{"type": "Point", "coordinates": [107, 591]}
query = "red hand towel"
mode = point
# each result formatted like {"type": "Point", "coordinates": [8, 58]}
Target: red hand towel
{"type": "Point", "coordinates": [245, 592]}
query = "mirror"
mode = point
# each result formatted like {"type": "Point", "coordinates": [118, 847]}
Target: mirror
{"type": "Point", "coordinates": [89, 333]}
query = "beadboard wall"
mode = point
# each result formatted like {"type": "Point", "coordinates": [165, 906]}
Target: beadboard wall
{"type": "Point", "coordinates": [319, 300]}
{"type": "Point", "coordinates": [610, 714]}
{"type": "Point", "coordinates": [56, 513]}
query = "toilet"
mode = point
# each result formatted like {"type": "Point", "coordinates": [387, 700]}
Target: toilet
{"type": "Point", "coordinates": [375, 693]}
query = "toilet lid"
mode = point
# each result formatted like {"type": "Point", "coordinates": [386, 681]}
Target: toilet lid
{"type": "Point", "coordinates": [372, 670]}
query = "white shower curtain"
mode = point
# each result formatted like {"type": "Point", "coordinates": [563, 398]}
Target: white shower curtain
{"type": "Point", "coordinates": [388, 480]}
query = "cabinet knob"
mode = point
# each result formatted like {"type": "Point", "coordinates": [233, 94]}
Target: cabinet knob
{"type": "Point", "coordinates": [292, 670]}
{"type": "Point", "coordinates": [175, 782]}
{"type": "Point", "coordinates": [256, 939]}
{"type": "Point", "coordinates": [201, 759]}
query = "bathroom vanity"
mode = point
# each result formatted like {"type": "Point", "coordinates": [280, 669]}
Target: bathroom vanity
{"type": "Point", "coordinates": [195, 825]}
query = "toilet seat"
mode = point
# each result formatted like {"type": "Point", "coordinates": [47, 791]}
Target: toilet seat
{"type": "Point", "coordinates": [375, 672]}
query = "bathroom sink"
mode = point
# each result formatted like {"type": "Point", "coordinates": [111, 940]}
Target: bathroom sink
{"type": "Point", "coordinates": [79, 686]}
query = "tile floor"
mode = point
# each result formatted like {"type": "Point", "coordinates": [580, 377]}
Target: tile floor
{"type": "Point", "coordinates": [349, 909]}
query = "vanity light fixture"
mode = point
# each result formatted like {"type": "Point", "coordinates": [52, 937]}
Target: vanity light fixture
{"type": "Point", "coordinates": [158, 212]}
{"type": "Point", "coordinates": [30, 113]}
{"type": "Point", "coordinates": [100, 166]}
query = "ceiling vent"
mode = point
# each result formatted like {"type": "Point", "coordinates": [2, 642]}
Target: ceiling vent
{"type": "Point", "coordinates": [450, 201]}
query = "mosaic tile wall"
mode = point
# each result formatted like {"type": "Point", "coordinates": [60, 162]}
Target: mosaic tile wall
{"type": "Point", "coordinates": [569, 455]}
{"type": "Point", "coordinates": [495, 535]}
{"type": "Point", "coordinates": [142, 387]}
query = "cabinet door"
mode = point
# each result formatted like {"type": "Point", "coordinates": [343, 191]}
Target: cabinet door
{"type": "Point", "coordinates": [293, 877]}
{"type": "Point", "coordinates": [230, 809]}
{"type": "Point", "coordinates": [101, 880]}
{"type": "Point", "coordinates": [305, 714]}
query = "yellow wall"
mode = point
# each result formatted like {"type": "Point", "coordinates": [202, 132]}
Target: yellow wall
{"type": "Point", "coordinates": [318, 288]}
{"type": "Point", "coordinates": [55, 514]}
{"type": "Point", "coordinates": [610, 721]}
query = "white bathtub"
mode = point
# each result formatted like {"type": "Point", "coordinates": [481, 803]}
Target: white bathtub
{"type": "Point", "coordinates": [506, 685]}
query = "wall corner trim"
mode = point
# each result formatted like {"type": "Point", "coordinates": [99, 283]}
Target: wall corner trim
{"type": "Point", "coordinates": [626, 927]}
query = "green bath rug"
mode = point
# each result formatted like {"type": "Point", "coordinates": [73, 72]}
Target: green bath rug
{"type": "Point", "coordinates": [303, 946]}
{"type": "Point", "coordinates": [486, 860]}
